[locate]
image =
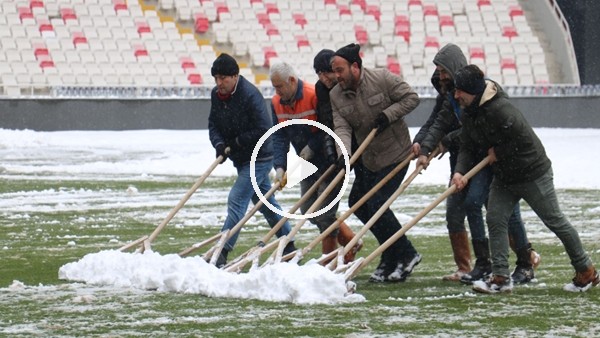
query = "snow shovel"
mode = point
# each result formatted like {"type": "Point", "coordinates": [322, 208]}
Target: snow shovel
{"type": "Point", "coordinates": [282, 241]}
{"type": "Point", "coordinates": [342, 251]}
{"type": "Point", "coordinates": [277, 256]}
{"type": "Point", "coordinates": [279, 224]}
{"type": "Point", "coordinates": [327, 257]}
{"type": "Point", "coordinates": [147, 240]}
{"type": "Point", "coordinates": [219, 246]}
{"type": "Point", "coordinates": [353, 268]}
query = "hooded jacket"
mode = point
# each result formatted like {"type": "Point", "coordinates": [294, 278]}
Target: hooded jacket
{"type": "Point", "coordinates": [444, 123]}
{"type": "Point", "coordinates": [493, 122]}
{"type": "Point", "coordinates": [354, 114]}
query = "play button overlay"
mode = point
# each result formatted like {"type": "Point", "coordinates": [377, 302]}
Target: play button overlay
{"type": "Point", "coordinates": [298, 169]}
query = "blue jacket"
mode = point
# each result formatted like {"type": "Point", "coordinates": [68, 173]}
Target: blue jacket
{"type": "Point", "coordinates": [239, 122]}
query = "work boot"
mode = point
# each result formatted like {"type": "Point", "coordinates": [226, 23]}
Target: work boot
{"type": "Point", "coordinates": [534, 258]}
{"type": "Point", "coordinates": [483, 264]}
{"type": "Point", "coordinates": [462, 255]}
{"type": "Point", "coordinates": [222, 260]}
{"type": "Point", "coordinates": [345, 235]}
{"type": "Point", "coordinates": [583, 280]}
{"type": "Point", "coordinates": [493, 284]}
{"type": "Point", "coordinates": [524, 270]}
{"type": "Point", "coordinates": [329, 244]}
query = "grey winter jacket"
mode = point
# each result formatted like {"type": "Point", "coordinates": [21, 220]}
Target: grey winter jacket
{"type": "Point", "coordinates": [354, 113]}
{"type": "Point", "coordinates": [494, 122]}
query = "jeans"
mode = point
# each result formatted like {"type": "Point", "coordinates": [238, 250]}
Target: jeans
{"type": "Point", "coordinates": [387, 225]}
{"type": "Point", "coordinates": [469, 202]}
{"type": "Point", "coordinates": [242, 192]}
{"type": "Point", "coordinates": [541, 197]}
{"type": "Point", "coordinates": [327, 218]}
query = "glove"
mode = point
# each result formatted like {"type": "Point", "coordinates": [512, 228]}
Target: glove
{"type": "Point", "coordinates": [307, 153]}
{"type": "Point", "coordinates": [381, 122]}
{"type": "Point", "coordinates": [280, 177]}
{"type": "Point", "coordinates": [221, 147]}
{"type": "Point", "coordinates": [233, 144]}
{"type": "Point", "coordinates": [340, 163]}
{"type": "Point", "coordinates": [329, 150]}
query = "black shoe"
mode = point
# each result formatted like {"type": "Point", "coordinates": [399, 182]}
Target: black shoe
{"type": "Point", "coordinates": [405, 268]}
{"type": "Point", "coordinates": [522, 275]}
{"type": "Point", "coordinates": [410, 264]}
{"type": "Point", "coordinates": [222, 260]}
{"type": "Point", "coordinates": [479, 272]}
{"type": "Point", "coordinates": [289, 248]}
{"type": "Point", "coordinates": [397, 275]}
{"type": "Point", "coordinates": [382, 272]}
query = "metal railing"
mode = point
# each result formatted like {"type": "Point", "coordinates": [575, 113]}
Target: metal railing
{"type": "Point", "coordinates": [203, 91]}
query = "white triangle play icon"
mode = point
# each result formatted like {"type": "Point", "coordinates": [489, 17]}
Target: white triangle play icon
{"type": "Point", "coordinates": [298, 169]}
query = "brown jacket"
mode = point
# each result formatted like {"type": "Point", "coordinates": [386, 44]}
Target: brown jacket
{"type": "Point", "coordinates": [354, 113]}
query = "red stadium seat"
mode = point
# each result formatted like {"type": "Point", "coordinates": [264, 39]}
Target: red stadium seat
{"type": "Point", "coordinates": [201, 24]}
{"type": "Point", "coordinates": [362, 37]}
{"type": "Point", "coordinates": [143, 27]}
{"type": "Point", "coordinates": [79, 38]}
{"type": "Point", "coordinates": [67, 14]}
{"type": "Point", "coordinates": [508, 63]}
{"type": "Point", "coordinates": [271, 8]}
{"type": "Point", "coordinates": [432, 41]}
{"type": "Point", "coordinates": [195, 78]}
{"type": "Point", "coordinates": [361, 3]}
{"type": "Point", "coordinates": [430, 10]}
{"type": "Point", "coordinates": [509, 31]}
{"type": "Point", "coordinates": [299, 19]}
{"type": "Point", "coordinates": [25, 13]}
{"type": "Point", "coordinates": [515, 10]}
{"type": "Point", "coordinates": [477, 52]}
{"type": "Point", "coordinates": [483, 3]}
{"type": "Point", "coordinates": [374, 11]}
{"type": "Point", "coordinates": [344, 10]}
{"type": "Point", "coordinates": [302, 41]}
{"type": "Point", "coordinates": [446, 20]}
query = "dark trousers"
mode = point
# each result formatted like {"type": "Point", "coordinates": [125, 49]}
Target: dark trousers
{"type": "Point", "coordinates": [387, 225]}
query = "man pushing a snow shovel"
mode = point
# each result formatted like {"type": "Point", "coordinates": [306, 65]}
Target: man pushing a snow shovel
{"type": "Point", "coordinates": [238, 119]}
{"type": "Point", "coordinates": [296, 99]}
{"type": "Point", "coordinates": [363, 100]}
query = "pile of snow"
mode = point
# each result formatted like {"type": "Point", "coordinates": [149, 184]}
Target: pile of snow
{"type": "Point", "coordinates": [283, 282]}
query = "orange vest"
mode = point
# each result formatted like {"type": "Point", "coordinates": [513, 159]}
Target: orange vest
{"type": "Point", "coordinates": [305, 105]}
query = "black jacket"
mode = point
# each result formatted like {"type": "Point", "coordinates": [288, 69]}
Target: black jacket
{"type": "Point", "coordinates": [493, 122]}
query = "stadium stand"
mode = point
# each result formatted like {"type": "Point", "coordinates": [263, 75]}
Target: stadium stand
{"type": "Point", "coordinates": [46, 43]}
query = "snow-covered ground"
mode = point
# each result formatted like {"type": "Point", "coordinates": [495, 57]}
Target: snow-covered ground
{"type": "Point", "coordinates": [150, 154]}
{"type": "Point", "coordinates": [574, 154]}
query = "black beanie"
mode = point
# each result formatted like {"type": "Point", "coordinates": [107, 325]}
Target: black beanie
{"type": "Point", "coordinates": [350, 53]}
{"type": "Point", "coordinates": [322, 62]}
{"type": "Point", "coordinates": [225, 65]}
{"type": "Point", "coordinates": [470, 79]}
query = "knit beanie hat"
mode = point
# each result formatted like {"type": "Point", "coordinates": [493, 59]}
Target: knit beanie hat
{"type": "Point", "coordinates": [224, 65]}
{"type": "Point", "coordinates": [322, 61]}
{"type": "Point", "coordinates": [470, 79]}
{"type": "Point", "coordinates": [350, 53]}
